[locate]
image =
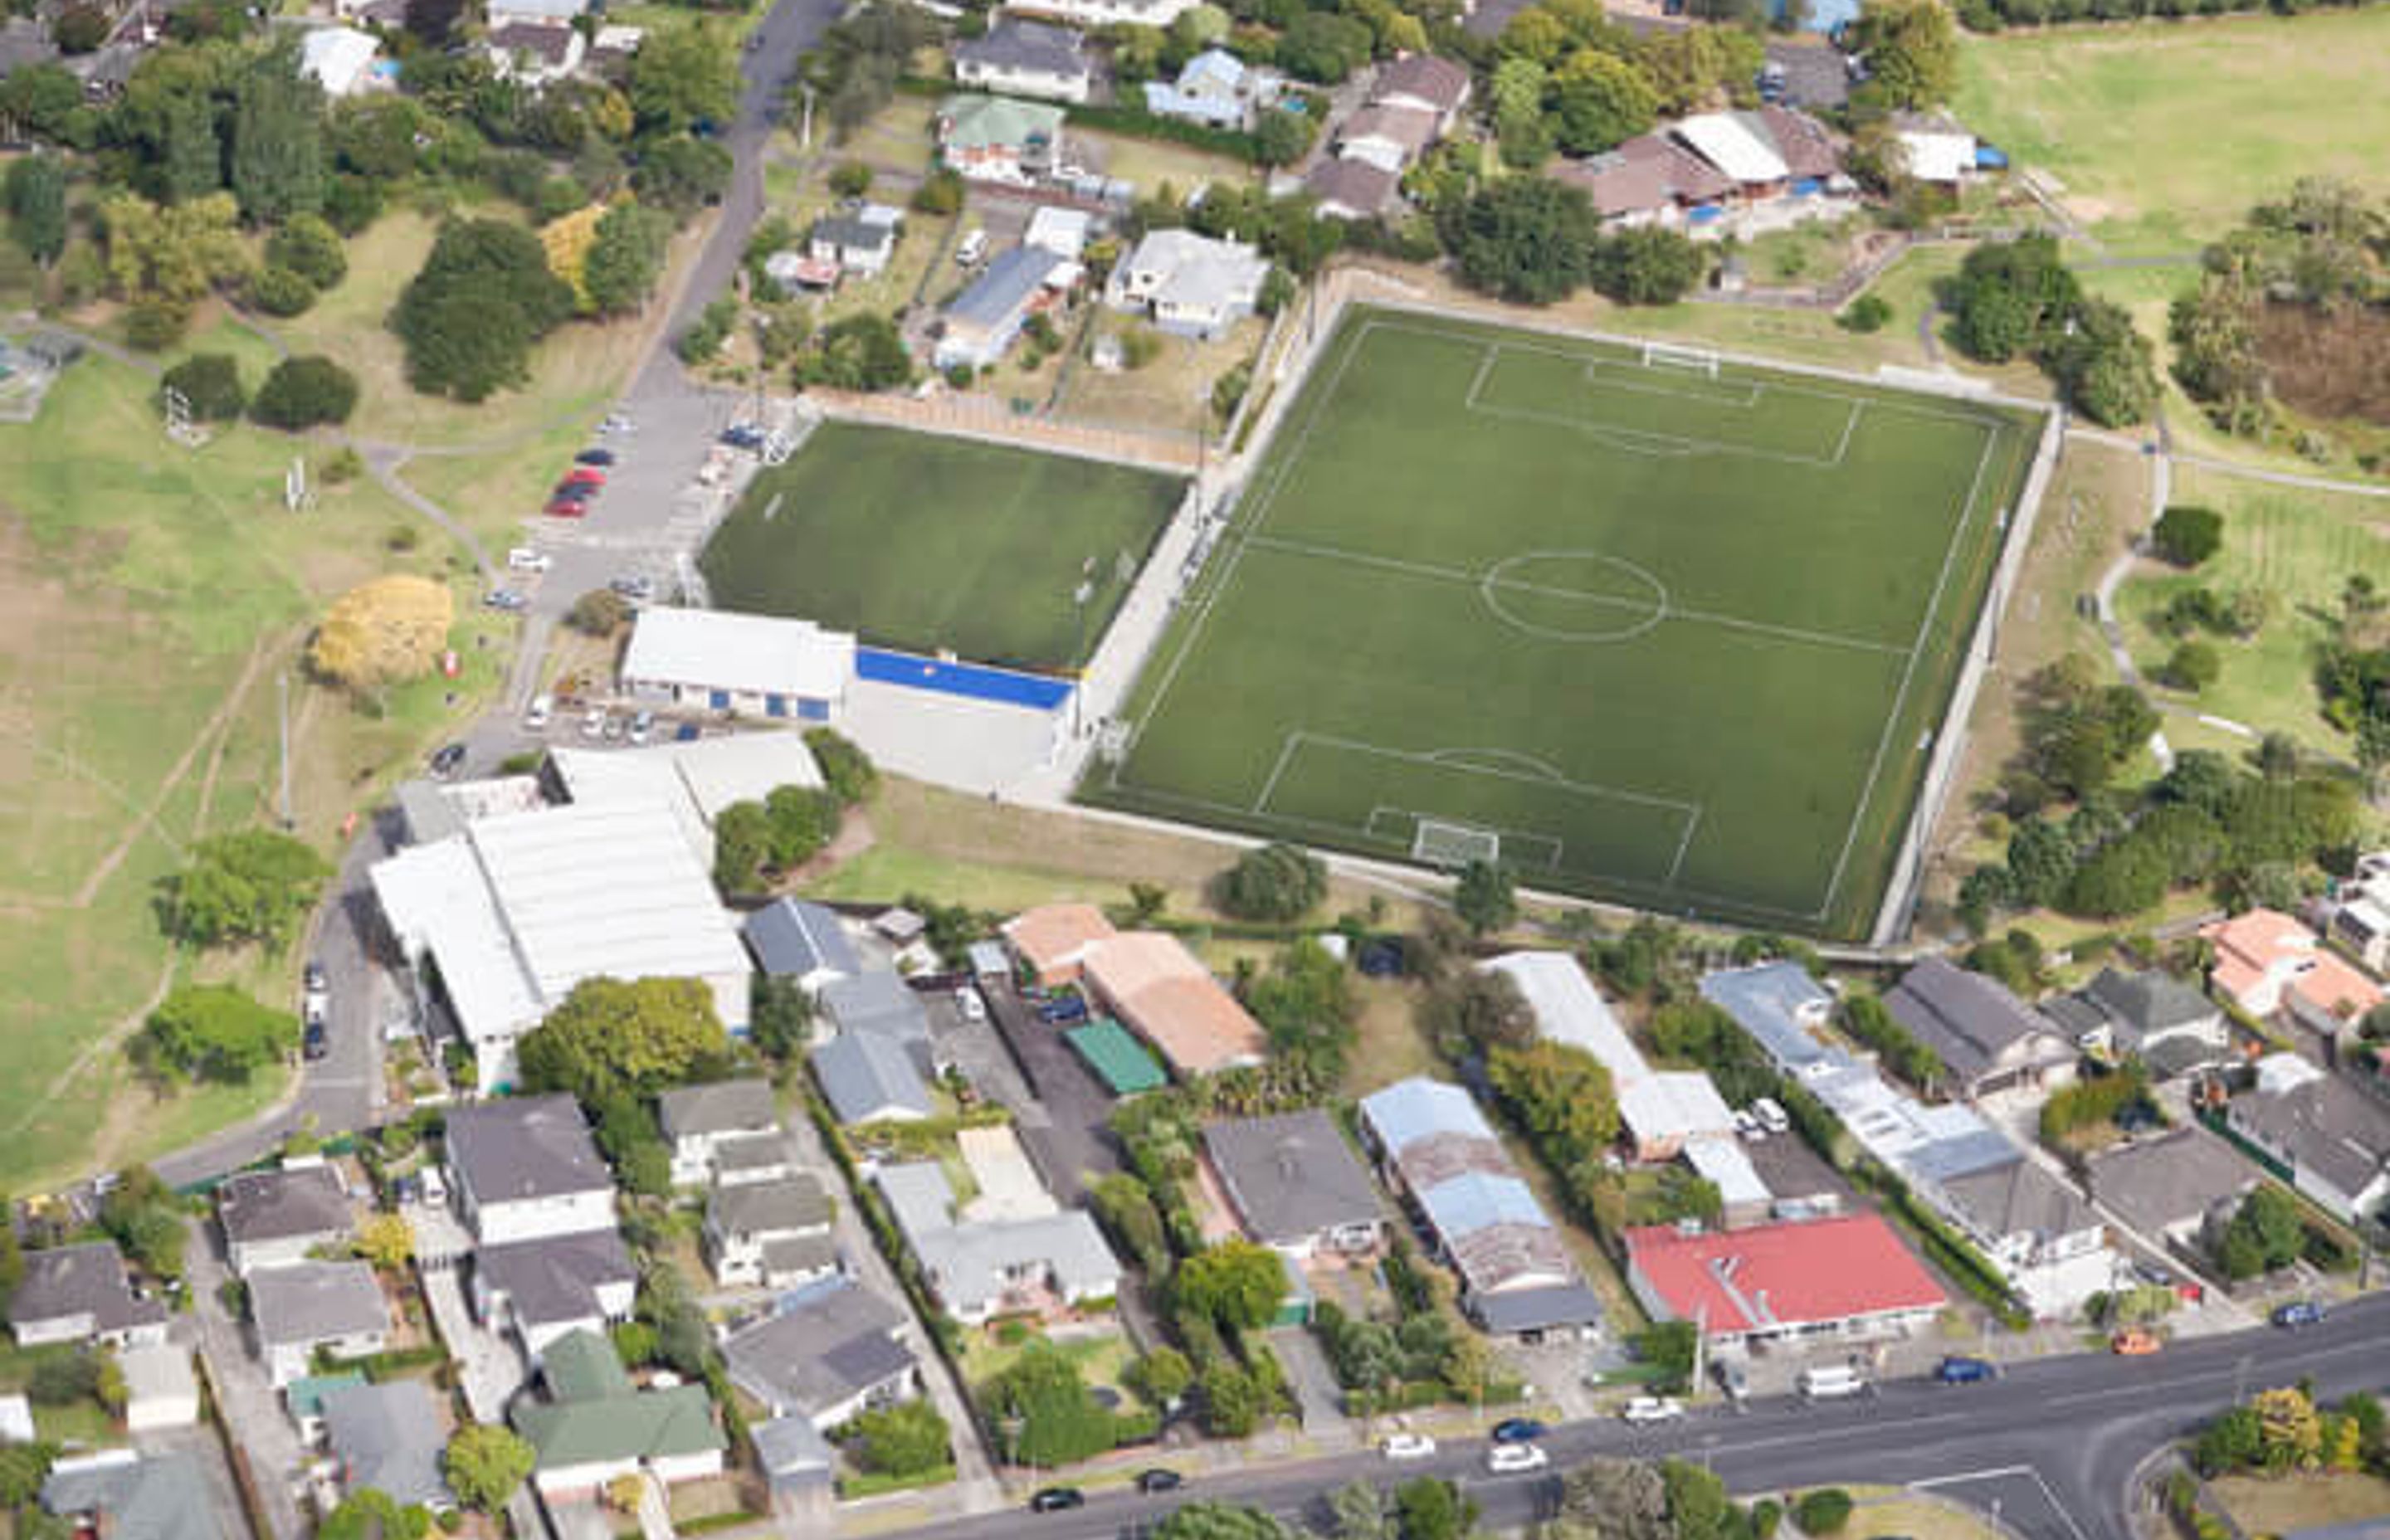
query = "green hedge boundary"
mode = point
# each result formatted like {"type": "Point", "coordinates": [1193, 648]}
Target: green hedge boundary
{"type": "Point", "coordinates": [873, 1483]}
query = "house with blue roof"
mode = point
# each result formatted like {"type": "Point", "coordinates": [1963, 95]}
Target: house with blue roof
{"type": "Point", "coordinates": [982, 323]}
{"type": "Point", "coordinates": [1217, 89]}
{"type": "Point", "coordinates": [1782, 1010]}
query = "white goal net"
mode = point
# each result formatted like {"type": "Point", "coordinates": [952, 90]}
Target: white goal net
{"type": "Point", "coordinates": [1667, 355]}
{"type": "Point", "coordinates": [1454, 845]}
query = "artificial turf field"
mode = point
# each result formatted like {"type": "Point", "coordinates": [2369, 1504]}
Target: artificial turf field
{"type": "Point", "coordinates": [1675, 639]}
{"type": "Point", "coordinates": [915, 541]}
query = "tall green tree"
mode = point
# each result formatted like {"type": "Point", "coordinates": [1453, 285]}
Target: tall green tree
{"type": "Point", "coordinates": [249, 886]}
{"type": "Point", "coordinates": [469, 318]}
{"type": "Point", "coordinates": [1598, 101]}
{"type": "Point", "coordinates": [1912, 47]}
{"type": "Point", "coordinates": [36, 192]}
{"type": "Point", "coordinates": [1237, 1282]}
{"type": "Point", "coordinates": [193, 163]}
{"type": "Point", "coordinates": [214, 1031]}
{"type": "Point", "coordinates": [611, 1036]}
{"type": "Point", "coordinates": [277, 141]}
{"type": "Point", "coordinates": [681, 77]}
{"type": "Point", "coordinates": [1523, 238]}
{"type": "Point", "coordinates": [1486, 898]}
{"type": "Point", "coordinates": [485, 1464]}
{"type": "Point", "coordinates": [626, 258]}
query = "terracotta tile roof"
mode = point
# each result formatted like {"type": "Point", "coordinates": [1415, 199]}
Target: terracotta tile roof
{"type": "Point", "coordinates": [1167, 997]}
{"type": "Point", "coordinates": [1807, 148]}
{"type": "Point", "coordinates": [1778, 1277]}
{"type": "Point", "coordinates": [1645, 174]}
{"type": "Point", "coordinates": [1056, 936]}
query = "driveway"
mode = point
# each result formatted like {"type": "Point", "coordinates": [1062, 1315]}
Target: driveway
{"type": "Point", "coordinates": [247, 1401]}
{"type": "Point", "coordinates": [490, 1368]}
{"type": "Point", "coordinates": [1075, 1147]}
{"type": "Point", "coordinates": [1319, 1399]}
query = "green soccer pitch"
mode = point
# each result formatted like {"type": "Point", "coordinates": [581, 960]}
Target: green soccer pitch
{"type": "Point", "coordinates": [1647, 631]}
{"type": "Point", "coordinates": [923, 542]}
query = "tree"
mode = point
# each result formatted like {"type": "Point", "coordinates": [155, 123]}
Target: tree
{"type": "Point", "coordinates": [278, 139]}
{"type": "Point", "coordinates": [599, 612]}
{"type": "Point", "coordinates": [683, 77]}
{"type": "Point", "coordinates": [851, 178]}
{"type": "Point", "coordinates": [254, 885]}
{"type": "Point", "coordinates": [1524, 238]}
{"type": "Point", "coordinates": [1236, 1282]}
{"type": "Point", "coordinates": [779, 1016]}
{"type": "Point", "coordinates": [308, 246]}
{"type": "Point", "coordinates": [1163, 1375]}
{"type": "Point", "coordinates": [909, 1439]}
{"type": "Point", "coordinates": [1559, 1094]}
{"type": "Point", "coordinates": [1486, 898]}
{"type": "Point", "coordinates": [1324, 48]}
{"type": "Point", "coordinates": [80, 28]}
{"type": "Point", "coordinates": [1219, 1521]}
{"type": "Point", "coordinates": [1598, 101]}
{"type": "Point", "coordinates": [1429, 1508]}
{"type": "Point", "coordinates": [799, 821]}
{"type": "Point", "coordinates": [1360, 1512]}
{"type": "Point", "coordinates": [36, 196]}
{"type": "Point", "coordinates": [939, 194]}
{"type": "Point", "coordinates": [1280, 137]}
{"type": "Point", "coordinates": [1698, 1503]}
{"type": "Point", "coordinates": [625, 259]}
{"type": "Point", "coordinates": [147, 1219]}
{"type": "Point", "coordinates": [2188, 536]}
{"type": "Point", "coordinates": [1647, 267]}
{"type": "Point", "coordinates": [742, 842]}
{"type": "Point", "coordinates": [387, 1240]}
{"type": "Point", "coordinates": [863, 352]}
{"type": "Point", "coordinates": [1275, 882]}
{"type": "Point", "coordinates": [2264, 1233]}
{"type": "Point", "coordinates": [1046, 1412]}
{"type": "Point", "coordinates": [304, 392]}
{"type": "Point", "coordinates": [485, 1464]}
{"type": "Point", "coordinates": [1232, 1404]}
{"type": "Point", "coordinates": [2232, 1441]}
{"type": "Point", "coordinates": [209, 384]}
{"type": "Point", "coordinates": [382, 631]}
{"type": "Point", "coordinates": [1305, 1002]}
{"type": "Point", "coordinates": [280, 292]}
{"type": "Point", "coordinates": [1822, 1511]}
{"type": "Point", "coordinates": [611, 1036]}
{"type": "Point", "coordinates": [214, 1031]}
{"type": "Point", "coordinates": [1126, 1209]}
{"type": "Point", "coordinates": [2011, 295]}
{"type": "Point", "coordinates": [23, 1469]}
{"type": "Point", "coordinates": [1483, 1011]}
{"type": "Point", "coordinates": [1912, 48]}
{"type": "Point", "coordinates": [1668, 1346]}
{"type": "Point", "coordinates": [2193, 666]}
{"type": "Point", "coordinates": [469, 317]}
{"type": "Point", "coordinates": [432, 22]}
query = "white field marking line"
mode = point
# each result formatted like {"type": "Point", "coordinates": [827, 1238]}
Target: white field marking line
{"type": "Point", "coordinates": [1668, 612]}
{"type": "Point", "coordinates": [1583, 788]}
{"type": "Point", "coordinates": [1293, 741]}
{"type": "Point", "coordinates": [1457, 759]}
{"type": "Point", "coordinates": [1596, 368]}
{"type": "Point", "coordinates": [1663, 442]}
{"type": "Point", "coordinates": [1484, 368]}
{"type": "Point", "coordinates": [1890, 399]}
{"type": "Point", "coordinates": [1844, 449]}
{"type": "Point", "coordinates": [1683, 845]}
{"type": "Point", "coordinates": [1908, 675]}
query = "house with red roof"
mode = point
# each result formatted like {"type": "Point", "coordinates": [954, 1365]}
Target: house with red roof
{"type": "Point", "coordinates": [1844, 1276]}
{"type": "Point", "coordinates": [2267, 962]}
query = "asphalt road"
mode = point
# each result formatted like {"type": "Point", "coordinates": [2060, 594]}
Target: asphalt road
{"type": "Point", "coordinates": [2054, 1443]}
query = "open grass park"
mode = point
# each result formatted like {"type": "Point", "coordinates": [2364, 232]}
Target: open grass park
{"type": "Point", "coordinates": [2163, 134]}
{"type": "Point", "coordinates": [1644, 630]}
{"type": "Point", "coordinates": [933, 543]}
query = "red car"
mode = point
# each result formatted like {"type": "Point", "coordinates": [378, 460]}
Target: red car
{"type": "Point", "coordinates": [567, 508]}
{"type": "Point", "coordinates": [584, 475]}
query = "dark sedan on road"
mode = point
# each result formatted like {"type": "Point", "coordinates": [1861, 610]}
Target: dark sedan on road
{"type": "Point", "coordinates": [1519, 1430]}
{"type": "Point", "coordinates": [1057, 1499]}
{"type": "Point", "coordinates": [1159, 1479]}
{"type": "Point", "coordinates": [594, 456]}
{"type": "Point", "coordinates": [448, 761]}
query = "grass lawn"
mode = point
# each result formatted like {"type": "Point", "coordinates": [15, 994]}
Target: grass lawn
{"type": "Point", "coordinates": [1103, 1358]}
{"type": "Point", "coordinates": [2165, 134]}
{"type": "Point", "coordinates": [154, 595]}
{"type": "Point", "coordinates": [927, 543]}
{"type": "Point", "coordinates": [2269, 1504]}
{"type": "Point", "coordinates": [2300, 546]}
{"type": "Point", "coordinates": [1916, 1519]}
{"type": "Point", "coordinates": [1172, 392]}
{"type": "Point", "coordinates": [1675, 639]}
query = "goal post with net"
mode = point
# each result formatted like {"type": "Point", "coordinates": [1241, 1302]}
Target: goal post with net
{"type": "Point", "coordinates": [1448, 845]}
{"type": "Point", "coordinates": [1670, 355]}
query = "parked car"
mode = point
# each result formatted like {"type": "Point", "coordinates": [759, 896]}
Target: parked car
{"type": "Point", "coordinates": [614, 729]}
{"type": "Point", "coordinates": [1830, 1382]}
{"type": "Point", "coordinates": [574, 492]}
{"type": "Point", "coordinates": [503, 598]}
{"type": "Point", "coordinates": [565, 507]}
{"type": "Point", "coordinates": [448, 761]}
{"type": "Point", "coordinates": [634, 587]}
{"type": "Point", "coordinates": [2135, 1343]}
{"type": "Point", "coordinates": [643, 726]}
{"type": "Point", "coordinates": [523, 558]}
{"type": "Point", "coordinates": [1065, 1010]}
{"type": "Point", "coordinates": [1958, 1370]}
{"type": "Point", "coordinates": [743, 435]}
{"type": "Point", "coordinates": [1771, 1117]}
{"type": "Point", "coordinates": [536, 715]}
{"type": "Point", "coordinates": [1057, 1499]}
{"type": "Point", "coordinates": [317, 1042]}
{"type": "Point", "coordinates": [594, 724]}
{"type": "Point", "coordinates": [1159, 1479]}
{"type": "Point", "coordinates": [687, 732]}
{"type": "Point", "coordinates": [618, 423]}
{"type": "Point", "coordinates": [972, 247]}
{"type": "Point", "coordinates": [2298, 1313]}
{"type": "Point", "coordinates": [584, 476]}
{"type": "Point", "coordinates": [594, 456]}
{"type": "Point", "coordinates": [1519, 1430]}
{"type": "Point", "coordinates": [966, 1000]}
{"type": "Point", "coordinates": [1748, 1127]}
{"type": "Point", "coordinates": [314, 979]}
{"type": "Point", "coordinates": [1652, 1409]}
{"type": "Point", "coordinates": [1505, 1459]}
{"type": "Point", "coordinates": [1731, 1378]}
{"type": "Point", "coordinates": [1409, 1446]}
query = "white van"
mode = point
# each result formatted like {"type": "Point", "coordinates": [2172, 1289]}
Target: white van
{"type": "Point", "coordinates": [974, 247]}
{"type": "Point", "coordinates": [1831, 1382]}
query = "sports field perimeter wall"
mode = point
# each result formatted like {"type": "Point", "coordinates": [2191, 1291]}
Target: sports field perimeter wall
{"type": "Point", "coordinates": [971, 681]}
{"type": "Point", "coordinates": [1900, 894]}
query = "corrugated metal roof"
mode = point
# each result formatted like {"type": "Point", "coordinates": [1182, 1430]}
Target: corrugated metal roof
{"type": "Point", "coordinates": [756, 654]}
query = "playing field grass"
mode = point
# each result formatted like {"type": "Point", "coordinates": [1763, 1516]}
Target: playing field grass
{"type": "Point", "coordinates": [1678, 640]}
{"type": "Point", "coordinates": [919, 542]}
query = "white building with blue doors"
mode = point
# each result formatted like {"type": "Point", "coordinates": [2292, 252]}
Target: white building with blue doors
{"type": "Point", "coordinates": [739, 665]}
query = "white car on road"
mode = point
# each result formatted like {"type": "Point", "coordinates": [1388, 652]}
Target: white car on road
{"type": "Point", "coordinates": [542, 707]}
{"type": "Point", "coordinates": [1654, 1408]}
{"type": "Point", "coordinates": [1409, 1446]}
{"type": "Point", "coordinates": [1506, 1459]}
{"type": "Point", "coordinates": [523, 558]}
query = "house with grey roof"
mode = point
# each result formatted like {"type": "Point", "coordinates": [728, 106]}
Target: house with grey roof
{"type": "Point", "coordinates": [799, 1466]}
{"type": "Point", "coordinates": [2027, 1220]}
{"type": "Point", "coordinates": [859, 245]}
{"type": "Point", "coordinates": [698, 1120]}
{"type": "Point", "coordinates": [980, 326]}
{"type": "Point", "coordinates": [1779, 1007]}
{"type": "Point", "coordinates": [2152, 1016]}
{"type": "Point", "coordinates": [794, 939]}
{"type": "Point", "coordinates": [982, 1268]}
{"type": "Point", "coordinates": [1295, 1184]}
{"type": "Point", "coordinates": [389, 1437]}
{"type": "Point", "coordinates": [125, 1495]}
{"type": "Point", "coordinates": [2332, 1138]}
{"type": "Point", "coordinates": [867, 1078]}
{"type": "Point", "coordinates": [829, 1356]}
{"type": "Point", "coordinates": [776, 1235]}
{"type": "Point", "coordinates": [1017, 58]}
{"type": "Point", "coordinates": [1350, 190]}
{"type": "Point", "coordinates": [1987, 1038]}
{"type": "Point", "coordinates": [884, 1005]}
{"type": "Point", "coordinates": [82, 1294]}
{"type": "Point", "coordinates": [333, 1307]}
{"type": "Point", "coordinates": [1217, 89]}
{"type": "Point", "coordinates": [543, 1288]}
{"type": "Point", "coordinates": [1188, 284]}
{"type": "Point", "coordinates": [2164, 1189]}
{"type": "Point", "coordinates": [274, 1218]}
{"type": "Point", "coordinates": [1424, 83]}
{"type": "Point", "coordinates": [525, 1168]}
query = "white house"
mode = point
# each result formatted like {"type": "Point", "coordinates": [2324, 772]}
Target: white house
{"type": "Point", "coordinates": [774, 1234]}
{"type": "Point", "coordinates": [1018, 57]}
{"type": "Point", "coordinates": [1933, 147]}
{"type": "Point", "coordinates": [829, 1356]}
{"type": "Point", "coordinates": [1189, 285]}
{"type": "Point", "coordinates": [537, 13]}
{"type": "Point", "coordinates": [274, 1218]}
{"type": "Point", "coordinates": [737, 665]}
{"type": "Point", "coordinates": [1214, 88]}
{"type": "Point", "coordinates": [545, 1288]}
{"type": "Point", "coordinates": [526, 1169]}
{"type": "Point", "coordinates": [1104, 13]}
{"type": "Point", "coordinates": [338, 58]}
{"type": "Point", "coordinates": [982, 1268]}
{"type": "Point", "coordinates": [535, 53]}
{"type": "Point", "coordinates": [698, 1120]}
